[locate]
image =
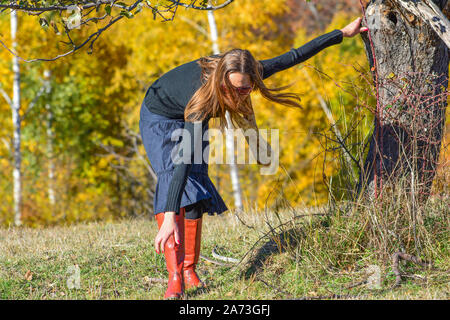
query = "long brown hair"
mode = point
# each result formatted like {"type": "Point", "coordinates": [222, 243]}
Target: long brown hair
{"type": "Point", "coordinates": [210, 99]}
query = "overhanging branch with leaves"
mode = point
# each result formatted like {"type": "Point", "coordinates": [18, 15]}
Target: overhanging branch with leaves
{"type": "Point", "coordinates": [63, 16]}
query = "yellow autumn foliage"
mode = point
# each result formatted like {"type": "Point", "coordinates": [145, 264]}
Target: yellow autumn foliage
{"type": "Point", "coordinates": [106, 89]}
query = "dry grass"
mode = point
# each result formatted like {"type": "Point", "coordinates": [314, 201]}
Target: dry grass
{"type": "Point", "coordinates": [284, 255]}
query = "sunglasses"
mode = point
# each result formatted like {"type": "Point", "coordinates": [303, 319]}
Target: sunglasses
{"type": "Point", "coordinates": [240, 90]}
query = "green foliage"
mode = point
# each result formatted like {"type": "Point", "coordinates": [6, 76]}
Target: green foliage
{"type": "Point", "coordinates": [86, 101]}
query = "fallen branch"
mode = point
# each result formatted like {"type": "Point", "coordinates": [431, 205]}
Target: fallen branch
{"type": "Point", "coordinates": [149, 280]}
{"type": "Point", "coordinates": [407, 257]}
{"type": "Point", "coordinates": [213, 261]}
{"type": "Point", "coordinates": [226, 259]}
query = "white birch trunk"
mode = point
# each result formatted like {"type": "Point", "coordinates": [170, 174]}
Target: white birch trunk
{"type": "Point", "coordinates": [50, 138]}
{"type": "Point", "coordinates": [234, 173]}
{"type": "Point", "coordinates": [15, 108]}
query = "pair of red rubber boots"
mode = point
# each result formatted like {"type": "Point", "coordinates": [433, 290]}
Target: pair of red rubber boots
{"type": "Point", "coordinates": [182, 259]}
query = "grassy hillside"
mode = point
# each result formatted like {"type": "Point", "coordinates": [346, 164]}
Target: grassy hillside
{"type": "Point", "coordinates": [283, 255]}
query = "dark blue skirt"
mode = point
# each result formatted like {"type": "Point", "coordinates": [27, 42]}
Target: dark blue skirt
{"type": "Point", "coordinates": [156, 131]}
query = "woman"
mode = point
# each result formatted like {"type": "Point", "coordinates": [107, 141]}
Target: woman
{"type": "Point", "coordinates": [196, 92]}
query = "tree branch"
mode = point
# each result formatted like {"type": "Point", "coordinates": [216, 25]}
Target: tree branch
{"type": "Point", "coordinates": [206, 7]}
{"type": "Point", "coordinates": [7, 98]}
{"type": "Point", "coordinates": [165, 11]}
{"type": "Point", "coordinates": [430, 13]}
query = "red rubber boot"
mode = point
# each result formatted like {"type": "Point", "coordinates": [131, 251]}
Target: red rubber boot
{"type": "Point", "coordinates": [174, 255]}
{"type": "Point", "coordinates": [193, 231]}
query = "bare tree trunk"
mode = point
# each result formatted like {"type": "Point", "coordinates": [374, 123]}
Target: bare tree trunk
{"type": "Point", "coordinates": [234, 172]}
{"type": "Point", "coordinates": [409, 63]}
{"type": "Point", "coordinates": [50, 141]}
{"type": "Point", "coordinates": [15, 108]}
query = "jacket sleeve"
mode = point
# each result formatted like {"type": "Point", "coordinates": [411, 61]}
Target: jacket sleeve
{"type": "Point", "coordinates": [183, 165]}
{"type": "Point", "coordinates": [303, 53]}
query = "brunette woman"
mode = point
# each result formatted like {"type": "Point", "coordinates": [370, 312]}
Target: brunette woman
{"type": "Point", "coordinates": [186, 98]}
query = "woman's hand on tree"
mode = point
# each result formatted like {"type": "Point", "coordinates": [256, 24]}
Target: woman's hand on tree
{"type": "Point", "coordinates": [354, 28]}
{"type": "Point", "coordinates": [168, 228]}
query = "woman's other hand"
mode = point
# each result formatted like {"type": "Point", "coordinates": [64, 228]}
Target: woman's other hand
{"type": "Point", "coordinates": [354, 28]}
{"type": "Point", "coordinates": [168, 228]}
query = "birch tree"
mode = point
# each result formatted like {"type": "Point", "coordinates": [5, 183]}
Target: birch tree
{"type": "Point", "coordinates": [50, 138]}
{"type": "Point", "coordinates": [234, 171]}
{"type": "Point", "coordinates": [15, 109]}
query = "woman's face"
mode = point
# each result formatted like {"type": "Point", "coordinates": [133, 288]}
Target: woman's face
{"type": "Point", "coordinates": [241, 83]}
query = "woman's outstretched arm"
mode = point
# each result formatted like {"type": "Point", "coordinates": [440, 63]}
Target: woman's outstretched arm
{"type": "Point", "coordinates": [303, 53]}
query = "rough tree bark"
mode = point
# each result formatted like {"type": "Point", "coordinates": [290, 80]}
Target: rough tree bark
{"type": "Point", "coordinates": [409, 63]}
